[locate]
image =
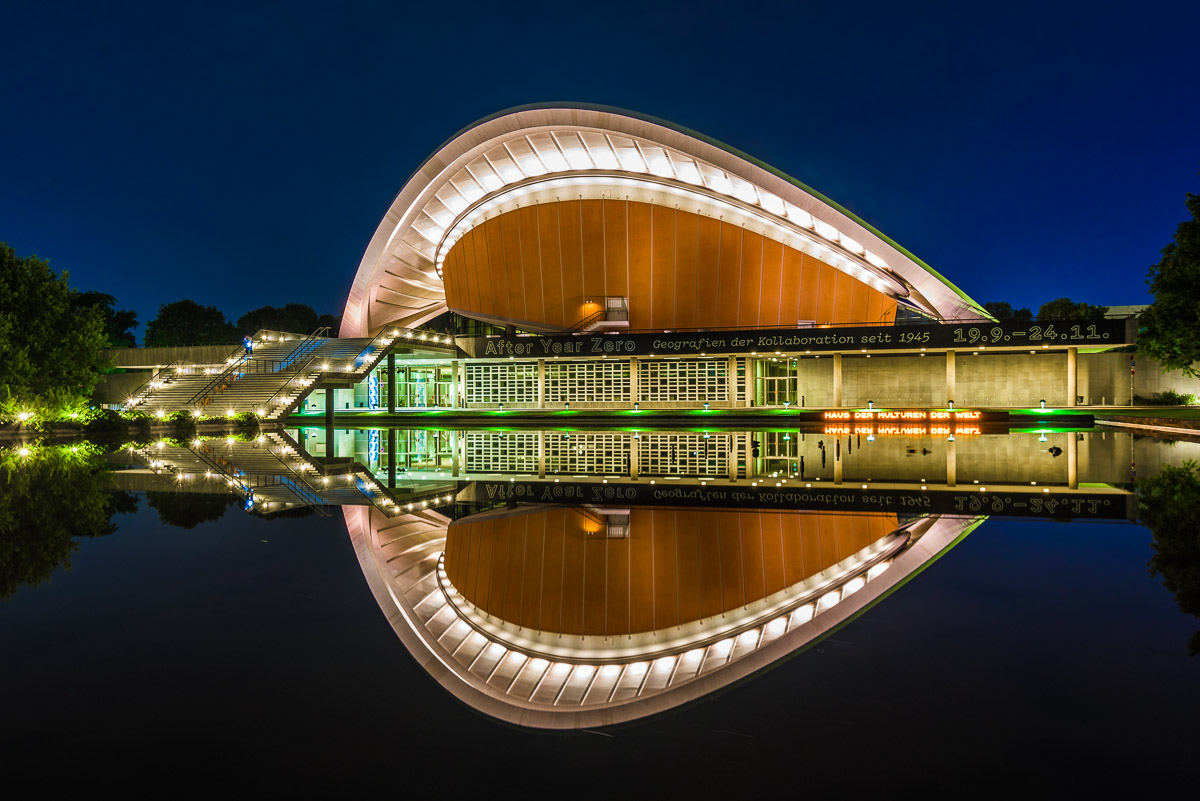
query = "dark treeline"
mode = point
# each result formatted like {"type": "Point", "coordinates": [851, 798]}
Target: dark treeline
{"type": "Point", "coordinates": [186, 322]}
{"type": "Point", "coordinates": [1061, 309]}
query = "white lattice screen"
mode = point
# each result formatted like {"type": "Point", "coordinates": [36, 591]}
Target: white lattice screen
{"type": "Point", "coordinates": [491, 384]}
{"type": "Point", "coordinates": [699, 380]}
{"type": "Point", "coordinates": [672, 454]}
{"type": "Point", "coordinates": [593, 453]}
{"type": "Point", "coordinates": [601, 381]}
{"type": "Point", "coordinates": [502, 452]}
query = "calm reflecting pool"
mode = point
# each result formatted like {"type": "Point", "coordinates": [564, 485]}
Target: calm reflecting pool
{"type": "Point", "coordinates": [705, 603]}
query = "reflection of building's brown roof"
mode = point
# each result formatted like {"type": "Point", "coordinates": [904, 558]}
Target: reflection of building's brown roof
{"type": "Point", "coordinates": [554, 570]}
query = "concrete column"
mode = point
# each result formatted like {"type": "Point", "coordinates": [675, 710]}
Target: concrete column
{"type": "Point", "coordinates": [634, 394]}
{"type": "Point", "coordinates": [951, 377]}
{"type": "Point", "coordinates": [1072, 459]}
{"type": "Point", "coordinates": [748, 450]}
{"type": "Point", "coordinates": [454, 384]}
{"type": "Point", "coordinates": [541, 454]}
{"type": "Point", "coordinates": [463, 386]}
{"type": "Point", "coordinates": [731, 381]}
{"type": "Point", "coordinates": [454, 453]}
{"type": "Point", "coordinates": [731, 455]}
{"type": "Point", "coordinates": [635, 446]}
{"type": "Point", "coordinates": [837, 380]}
{"type": "Point", "coordinates": [391, 446]}
{"type": "Point", "coordinates": [541, 383]}
{"type": "Point", "coordinates": [748, 382]}
{"type": "Point", "coordinates": [391, 368]}
{"type": "Point", "coordinates": [951, 464]}
{"type": "Point", "coordinates": [329, 411]}
{"type": "Point", "coordinates": [1072, 366]}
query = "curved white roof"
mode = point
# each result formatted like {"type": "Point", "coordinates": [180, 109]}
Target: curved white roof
{"type": "Point", "coordinates": [526, 681]}
{"type": "Point", "coordinates": [531, 153]}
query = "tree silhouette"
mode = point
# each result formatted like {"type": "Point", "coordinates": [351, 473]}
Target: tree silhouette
{"type": "Point", "coordinates": [49, 346]}
{"type": "Point", "coordinates": [51, 496]}
{"type": "Point", "coordinates": [186, 322]}
{"type": "Point", "coordinates": [189, 509]}
{"type": "Point", "coordinates": [1167, 505]}
{"type": "Point", "coordinates": [1171, 326]}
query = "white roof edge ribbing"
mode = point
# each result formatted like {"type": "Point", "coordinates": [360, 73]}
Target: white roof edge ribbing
{"type": "Point", "coordinates": [402, 590]}
{"type": "Point", "coordinates": [431, 201]}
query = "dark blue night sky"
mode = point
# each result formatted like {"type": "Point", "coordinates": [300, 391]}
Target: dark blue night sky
{"type": "Point", "coordinates": [242, 156]}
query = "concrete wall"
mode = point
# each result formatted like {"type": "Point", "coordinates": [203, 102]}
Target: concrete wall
{"type": "Point", "coordinates": [146, 358]}
{"type": "Point", "coordinates": [116, 387]}
{"type": "Point", "coordinates": [815, 381]}
{"type": "Point", "coordinates": [894, 380]}
{"type": "Point", "coordinates": [1104, 378]}
{"type": "Point", "coordinates": [1011, 379]}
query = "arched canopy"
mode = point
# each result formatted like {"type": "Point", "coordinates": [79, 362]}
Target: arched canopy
{"type": "Point", "coordinates": [530, 154]}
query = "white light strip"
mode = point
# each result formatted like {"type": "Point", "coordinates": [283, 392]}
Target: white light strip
{"type": "Point", "coordinates": [785, 231]}
{"type": "Point", "coordinates": [564, 150]}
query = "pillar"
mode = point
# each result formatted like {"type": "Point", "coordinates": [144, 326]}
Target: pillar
{"type": "Point", "coordinates": [748, 382]}
{"type": "Point", "coordinates": [837, 380]}
{"type": "Point", "coordinates": [951, 377]}
{"type": "Point", "coordinates": [454, 453]}
{"type": "Point", "coordinates": [731, 382]}
{"type": "Point", "coordinates": [1072, 459]}
{"type": "Point", "coordinates": [1072, 364]}
{"type": "Point", "coordinates": [329, 412]}
{"type": "Point", "coordinates": [391, 446]}
{"type": "Point", "coordinates": [634, 457]}
{"type": "Point", "coordinates": [541, 456]}
{"type": "Point", "coordinates": [731, 456]}
{"type": "Point", "coordinates": [391, 368]}
{"type": "Point", "coordinates": [541, 383]}
{"type": "Point", "coordinates": [837, 463]}
{"type": "Point", "coordinates": [951, 464]}
{"type": "Point", "coordinates": [634, 395]}
{"type": "Point", "coordinates": [454, 384]}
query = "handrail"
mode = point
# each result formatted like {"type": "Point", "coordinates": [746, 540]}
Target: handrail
{"type": "Point", "coordinates": [588, 514]}
{"type": "Point", "coordinates": [310, 499]}
{"type": "Point", "coordinates": [603, 313]}
{"type": "Point", "coordinates": [134, 396]}
{"type": "Point", "coordinates": [579, 324]}
{"type": "Point", "coordinates": [300, 372]}
{"type": "Point", "coordinates": [370, 347]}
{"type": "Point", "coordinates": [300, 349]}
{"type": "Point", "coordinates": [217, 379]}
{"type": "Point", "coordinates": [242, 359]}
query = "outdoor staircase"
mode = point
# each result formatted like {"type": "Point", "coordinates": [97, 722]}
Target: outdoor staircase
{"type": "Point", "coordinates": [274, 472]}
{"type": "Point", "coordinates": [273, 380]}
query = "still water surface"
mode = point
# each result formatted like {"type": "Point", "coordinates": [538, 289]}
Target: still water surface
{"type": "Point", "coordinates": [1036, 654]}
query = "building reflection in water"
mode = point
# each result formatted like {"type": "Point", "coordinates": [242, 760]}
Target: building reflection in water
{"type": "Point", "coordinates": [542, 589]}
{"type": "Point", "coordinates": [579, 617]}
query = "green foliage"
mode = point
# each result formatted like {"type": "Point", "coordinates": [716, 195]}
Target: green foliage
{"type": "Point", "coordinates": [246, 425]}
{"type": "Point", "coordinates": [49, 496]}
{"type": "Point", "coordinates": [1168, 398]}
{"type": "Point", "coordinates": [1167, 504]}
{"type": "Point", "coordinates": [49, 346]}
{"type": "Point", "coordinates": [1172, 398]}
{"type": "Point", "coordinates": [1004, 311]}
{"type": "Point", "coordinates": [294, 318]}
{"type": "Point", "coordinates": [186, 322]}
{"type": "Point", "coordinates": [1067, 309]}
{"type": "Point", "coordinates": [106, 421]}
{"type": "Point", "coordinates": [1170, 328]}
{"type": "Point", "coordinates": [118, 325]}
